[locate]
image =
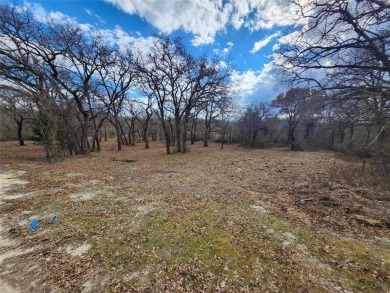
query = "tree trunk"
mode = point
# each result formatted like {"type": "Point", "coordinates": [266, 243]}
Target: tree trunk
{"type": "Point", "coordinates": [167, 138]}
{"type": "Point", "coordinates": [332, 139]}
{"type": "Point", "coordinates": [172, 139]}
{"type": "Point", "coordinates": [48, 153]}
{"type": "Point", "coordinates": [351, 132]}
{"type": "Point", "coordinates": [93, 149]}
{"type": "Point", "coordinates": [294, 146]}
{"type": "Point", "coordinates": [84, 149]}
{"type": "Point", "coordinates": [223, 136]}
{"type": "Point", "coordinates": [206, 132]}
{"type": "Point", "coordinates": [97, 137]}
{"type": "Point", "coordinates": [132, 133]}
{"type": "Point", "coordinates": [178, 135]}
{"type": "Point", "coordinates": [206, 138]}
{"type": "Point", "coordinates": [146, 132]}
{"type": "Point", "coordinates": [184, 134]}
{"type": "Point", "coordinates": [193, 131]}
{"type": "Point", "coordinates": [98, 149]}
{"type": "Point", "coordinates": [146, 142]}
{"type": "Point", "coordinates": [95, 133]}
{"type": "Point", "coordinates": [290, 132]}
{"type": "Point", "coordinates": [123, 135]}
{"type": "Point", "coordinates": [20, 128]}
{"type": "Point", "coordinates": [129, 137]}
{"type": "Point", "coordinates": [254, 136]}
{"type": "Point", "coordinates": [118, 131]}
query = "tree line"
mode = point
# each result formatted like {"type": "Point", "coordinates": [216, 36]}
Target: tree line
{"type": "Point", "coordinates": [71, 82]}
{"type": "Point", "coordinates": [69, 85]}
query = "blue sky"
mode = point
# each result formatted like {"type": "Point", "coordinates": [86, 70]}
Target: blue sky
{"type": "Point", "coordinates": [245, 31]}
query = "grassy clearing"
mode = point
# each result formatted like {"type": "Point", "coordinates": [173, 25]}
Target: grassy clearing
{"type": "Point", "coordinates": [232, 220]}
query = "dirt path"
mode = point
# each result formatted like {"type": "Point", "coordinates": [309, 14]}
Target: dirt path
{"type": "Point", "coordinates": [9, 248]}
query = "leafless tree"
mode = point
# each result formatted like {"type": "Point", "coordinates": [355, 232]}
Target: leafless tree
{"type": "Point", "coordinates": [144, 119]}
{"type": "Point", "coordinates": [252, 122]}
{"type": "Point", "coordinates": [338, 36]}
{"type": "Point", "coordinates": [179, 82]}
{"type": "Point", "coordinates": [16, 105]}
{"type": "Point", "coordinates": [51, 55]}
{"type": "Point", "coordinates": [117, 76]}
{"type": "Point", "coordinates": [154, 83]}
{"type": "Point", "coordinates": [213, 108]}
{"type": "Point", "coordinates": [295, 105]}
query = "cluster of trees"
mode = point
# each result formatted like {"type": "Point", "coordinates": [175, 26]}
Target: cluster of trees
{"type": "Point", "coordinates": [338, 62]}
{"type": "Point", "coordinates": [305, 119]}
{"type": "Point", "coordinates": [68, 83]}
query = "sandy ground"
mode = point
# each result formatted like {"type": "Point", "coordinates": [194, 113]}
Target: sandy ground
{"type": "Point", "coordinates": [9, 248]}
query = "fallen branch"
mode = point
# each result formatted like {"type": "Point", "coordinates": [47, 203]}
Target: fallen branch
{"type": "Point", "coordinates": [123, 160]}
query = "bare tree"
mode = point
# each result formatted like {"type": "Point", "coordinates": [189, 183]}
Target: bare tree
{"type": "Point", "coordinates": [117, 76]}
{"type": "Point", "coordinates": [17, 105]}
{"type": "Point", "coordinates": [346, 36]}
{"type": "Point", "coordinates": [227, 113]}
{"type": "Point", "coordinates": [74, 73]}
{"type": "Point", "coordinates": [208, 86]}
{"type": "Point", "coordinates": [145, 118]}
{"type": "Point", "coordinates": [179, 82]}
{"type": "Point", "coordinates": [294, 104]}
{"type": "Point", "coordinates": [252, 122]}
{"type": "Point", "coordinates": [51, 55]}
{"type": "Point", "coordinates": [213, 108]}
{"type": "Point", "coordinates": [153, 82]}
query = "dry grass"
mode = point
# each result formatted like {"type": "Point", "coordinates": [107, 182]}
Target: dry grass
{"type": "Point", "coordinates": [230, 220]}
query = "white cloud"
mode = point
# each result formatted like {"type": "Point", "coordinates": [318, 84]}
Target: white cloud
{"type": "Point", "coordinates": [115, 36]}
{"type": "Point", "coordinates": [241, 9]}
{"type": "Point", "coordinates": [91, 13]}
{"type": "Point", "coordinates": [42, 15]}
{"type": "Point", "coordinates": [273, 13]}
{"type": "Point", "coordinates": [223, 52]}
{"type": "Point", "coordinates": [100, 19]}
{"type": "Point", "coordinates": [260, 44]}
{"type": "Point", "coordinates": [223, 64]}
{"type": "Point", "coordinates": [247, 82]}
{"type": "Point", "coordinates": [203, 18]}
{"type": "Point", "coordinates": [256, 85]}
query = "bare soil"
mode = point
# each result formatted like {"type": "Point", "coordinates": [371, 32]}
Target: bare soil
{"type": "Point", "coordinates": [231, 220]}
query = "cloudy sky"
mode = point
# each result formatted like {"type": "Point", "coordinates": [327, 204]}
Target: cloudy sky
{"type": "Point", "coordinates": [245, 31]}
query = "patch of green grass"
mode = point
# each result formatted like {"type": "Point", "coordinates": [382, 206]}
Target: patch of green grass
{"type": "Point", "coordinates": [203, 239]}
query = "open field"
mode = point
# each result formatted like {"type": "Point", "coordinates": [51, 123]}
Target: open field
{"type": "Point", "coordinates": [212, 220]}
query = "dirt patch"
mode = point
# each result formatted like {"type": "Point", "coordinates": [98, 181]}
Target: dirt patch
{"type": "Point", "coordinates": [9, 248]}
{"type": "Point", "coordinates": [8, 181]}
{"type": "Point", "coordinates": [82, 196]}
{"type": "Point", "coordinates": [5, 288]}
{"type": "Point", "coordinates": [259, 209]}
{"type": "Point", "coordinates": [79, 250]}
